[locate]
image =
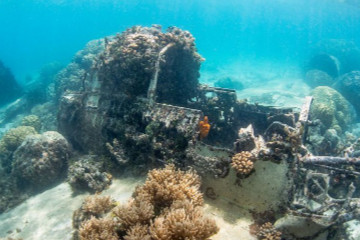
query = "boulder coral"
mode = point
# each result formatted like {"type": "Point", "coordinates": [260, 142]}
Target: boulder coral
{"type": "Point", "coordinates": [243, 163]}
{"type": "Point", "coordinates": [41, 160]}
{"type": "Point", "coordinates": [331, 108]}
{"type": "Point", "coordinates": [32, 121]}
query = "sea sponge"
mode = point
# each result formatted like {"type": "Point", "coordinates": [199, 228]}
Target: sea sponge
{"type": "Point", "coordinates": [98, 229]}
{"type": "Point", "coordinates": [32, 121]}
{"type": "Point", "coordinates": [204, 128]}
{"type": "Point", "coordinates": [268, 232]}
{"type": "Point", "coordinates": [331, 108]}
{"type": "Point", "coordinates": [243, 162]}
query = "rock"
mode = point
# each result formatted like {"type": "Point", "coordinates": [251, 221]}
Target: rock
{"type": "Point", "coordinates": [349, 86]}
{"type": "Point", "coordinates": [9, 88]}
{"type": "Point", "coordinates": [348, 231]}
{"type": "Point", "coordinates": [41, 160]}
{"type": "Point", "coordinates": [315, 78]}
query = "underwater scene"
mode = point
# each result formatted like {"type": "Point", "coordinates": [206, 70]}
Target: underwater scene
{"type": "Point", "coordinates": [180, 120]}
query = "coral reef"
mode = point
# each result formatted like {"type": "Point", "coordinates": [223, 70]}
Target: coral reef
{"type": "Point", "coordinates": [243, 163]}
{"type": "Point", "coordinates": [41, 160]}
{"type": "Point", "coordinates": [9, 88]}
{"type": "Point", "coordinates": [32, 121]}
{"type": "Point", "coordinates": [88, 174]}
{"type": "Point", "coordinates": [268, 232]}
{"type": "Point", "coordinates": [168, 206]}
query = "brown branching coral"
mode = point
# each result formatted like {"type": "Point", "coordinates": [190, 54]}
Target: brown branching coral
{"type": "Point", "coordinates": [93, 206]}
{"type": "Point", "coordinates": [138, 232]}
{"type": "Point", "coordinates": [98, 229]}
{"type": "Point", "coordinates": [268, 232]}
{"type": "Point", "coordinates": [164, 186]}
{"type": "Point", "coordinates": [136, 211]}
{"type": "Point", "coordinates": [167, 207]}
{"type": "Point", "coordinates": [243, 162]}
{"type": "Point", "coordinates": [183, 221]}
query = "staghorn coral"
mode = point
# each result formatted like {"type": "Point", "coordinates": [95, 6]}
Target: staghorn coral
{"type": "Point", "coordinates": [268, 232]}
{"type": "Point", "coordinates": [32, 121]}
{"type": "Point", "coordinates": [243, 162]}
{"type": "Point", "coordinates": [98, 229]}
{"type": "Point", "coordinates": [138, 232]}
{"type": "Point", "coordinates": [183, 221]}
{"type": "Point", "coordinates": [164, 186]}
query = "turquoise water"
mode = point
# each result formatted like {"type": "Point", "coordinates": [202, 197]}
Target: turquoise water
{"type": "Point", "coordinates": [36, 32]}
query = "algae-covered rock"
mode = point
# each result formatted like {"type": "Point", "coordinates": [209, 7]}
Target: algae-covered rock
{"type": "Point", "coordinates": [41, 160]}
{"type": "Point", "coordinates": [32, 121]}
{"type": "Point", "coordinates": [331, 108]}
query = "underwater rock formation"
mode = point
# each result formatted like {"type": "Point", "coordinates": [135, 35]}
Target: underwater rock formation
{"type": "Point", "coordinates": [40, 160]}
{"type": "Point", "coordinates": [335, 57]}
{"type": "Point", "coordinates": [32, 121]}
{"type": "Point", "coordinates": [88, 174]}
{"type": "Point", "coordinates": [349, 86]}
{"type": "Point", "coordinates": [168, 206]}
{"type": "Point", "coordinates": [9, 88]}
{"type": "Point", "coordinates": [227, 82]}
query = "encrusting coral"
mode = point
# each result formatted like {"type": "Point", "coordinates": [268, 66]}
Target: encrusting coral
{"type": "Point", "coordinates": [243, 162]}
{"type": "Point", "coordinates": [168, 206]}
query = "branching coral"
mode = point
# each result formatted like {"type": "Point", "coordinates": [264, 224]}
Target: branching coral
{"type": "Point", "coordinates": [93, 206]}
{"type": "Point", "coordinates": [183, 221]}
{"type": "Point", "coordinates": [138, 232]}
{"type": "Point", "coordinates": [98, 229]}
{"type": "Point", "coordinates": [243, 162]}
{"type": "Point", "coordinates": [164, 186]}
{"type": "Point", "coordinates": [136, 211]}
{"type": "Point", "coordinates": [268, 232]}
{"type": "Point", "coordinates": [168, 206]}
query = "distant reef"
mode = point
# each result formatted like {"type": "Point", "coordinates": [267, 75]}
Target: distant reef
{"type": "Point", "coordinates": [9, 88]}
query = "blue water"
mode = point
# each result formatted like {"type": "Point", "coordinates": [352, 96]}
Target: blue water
{"type": "Point", "coordinates": [36, 32]}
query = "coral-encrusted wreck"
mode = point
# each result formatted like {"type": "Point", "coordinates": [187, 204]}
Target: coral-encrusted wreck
{"type": "Point", "coordinates": [136, 97]}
